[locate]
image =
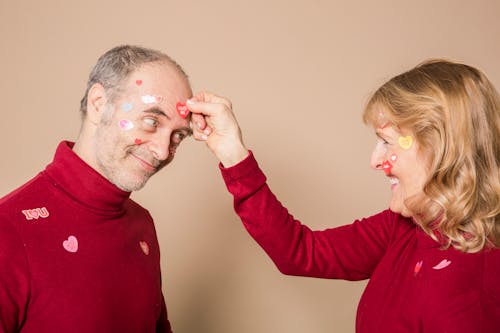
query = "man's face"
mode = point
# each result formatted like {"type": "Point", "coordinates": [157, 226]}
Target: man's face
{"type": "Point", "coordinates": [139, 133]}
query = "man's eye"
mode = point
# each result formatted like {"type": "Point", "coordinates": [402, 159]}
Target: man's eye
{"type": "Point", "coordinates": [178, 137]}
{"type": "Point", "coordinates": [151, 122]}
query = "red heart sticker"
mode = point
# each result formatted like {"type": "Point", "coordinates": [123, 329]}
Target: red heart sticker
{"type": "Point", "coordinates": [182, 109]}
{"type": "Point", "coordinates": [138, 82]}
{"type": "Point", "coordinates": [137, 141]}
{"type": "Point", "coordinates": [387, 167]}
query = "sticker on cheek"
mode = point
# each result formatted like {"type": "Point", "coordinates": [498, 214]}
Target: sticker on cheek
{"type": "Point", "coordinates": [387, 167]}
{"type": "Point", "coordinates": [405, 142]}
{"type": "Point", "coordinates": [138, 82]}
{"type": "Point", "coordinates": [137, 141]}
{"type": "Point", "coordinates": [182, 109]}
{"type": "Point", "coordinates": [394, 157]}
{"type": "Point", "coordinates": [126, 107]}
{"type": "Point", "coordinates": [125, 124]}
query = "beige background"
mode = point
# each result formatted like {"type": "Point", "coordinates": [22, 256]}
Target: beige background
{"type": "Point", "coordinates": [298, 73]}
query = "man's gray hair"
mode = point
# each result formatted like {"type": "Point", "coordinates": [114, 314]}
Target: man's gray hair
{"type": "Point", "coordinates": [114, 67]}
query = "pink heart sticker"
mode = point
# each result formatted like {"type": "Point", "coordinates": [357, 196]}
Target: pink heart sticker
{"type": "Point", "coordinates": [126, 124]}
{"type": "Point", "coordinates": [138, 82]}
{"type": "Point", "coordinates": [137, 141]}
{"type": "Point", "coordinates": [443, 264]}
{"type": "Point", "coordinates": [71, 244]}
{"type": "Point", "coordinates": [182, 109]}
{"type": "Point", "coordinates": [144, 247]}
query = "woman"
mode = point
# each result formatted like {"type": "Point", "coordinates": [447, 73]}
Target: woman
{"type": "Point", "coordinates": [432, 258]}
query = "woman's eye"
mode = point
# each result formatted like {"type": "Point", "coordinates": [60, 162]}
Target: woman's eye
{"type": "Point", "coordinates": [151, 122]}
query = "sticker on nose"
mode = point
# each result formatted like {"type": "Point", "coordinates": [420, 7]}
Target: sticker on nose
{"type": "Point", "coordinates": [182, 109]}
{"type": "Point", "coordinates": [387, 167]}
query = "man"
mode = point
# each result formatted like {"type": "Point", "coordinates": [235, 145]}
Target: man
{"type": "Point", "coordinates": [76, 254]}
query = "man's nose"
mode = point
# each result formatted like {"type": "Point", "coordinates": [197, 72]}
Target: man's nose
{"type": "Point", "coordinates": [159, 147]}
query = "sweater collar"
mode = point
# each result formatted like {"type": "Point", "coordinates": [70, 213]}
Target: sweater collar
{"type": "Point", "coordinates": [83, 183]}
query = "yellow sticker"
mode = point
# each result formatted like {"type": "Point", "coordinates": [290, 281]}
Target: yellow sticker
{"type": "Point", "coordinates": [405, 142]}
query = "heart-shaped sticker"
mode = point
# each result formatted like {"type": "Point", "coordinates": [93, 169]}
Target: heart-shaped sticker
{"type": "Point", "coordinates": [405, 142]}
{"type": "Point", "coordinates": [126, 107]}
{"type": "Point", "coordinates": [182, 109]}
{"type": "Point", "coordinates": [138, 82]}
{"type": "Point", "coordinates": [137, 141]}
{"type": "Point", "coordinates": [71, 244]}
{"type": "Point", "coordinates": [443, 264]}
{"type": "Point", "coordinates": [126, 124]}
{"type": "Point", "coordinates": [387, 167]}
{"type": "Point", "coordinates": [145, 247]}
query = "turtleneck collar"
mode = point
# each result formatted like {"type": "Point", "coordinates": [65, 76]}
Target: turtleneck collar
{"type": "Point", "coordinates": [84, 184]}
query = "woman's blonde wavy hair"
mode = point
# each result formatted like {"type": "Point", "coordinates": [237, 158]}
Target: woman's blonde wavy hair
{"type": "Point", "coordinates": [453, 111]}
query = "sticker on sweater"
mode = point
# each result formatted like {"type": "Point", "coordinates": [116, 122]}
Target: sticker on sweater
{"type": "Point", "coordinates": [71, 244]}
{"type": "Point", "coordinates": [144, 247]}
{"type": "Point", "coordinates": [35, 213]}
{"type": "Point", "coordinates": [443, 264]}
{"type": "Point", "coordinates": [418, 267]}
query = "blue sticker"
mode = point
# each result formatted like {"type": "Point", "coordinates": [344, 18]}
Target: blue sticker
{"type": "Point", "coordinates": [127, 106]}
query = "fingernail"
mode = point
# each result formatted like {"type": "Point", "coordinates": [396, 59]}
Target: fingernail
{"type": "Point", "coordinates": [198, 124]}
{"type": "Point", "coordinates": [190, 102]}
{"type": "Point", "coordinates": [206, 131]}
{"type": "Point", "coordinates": [204, 137]}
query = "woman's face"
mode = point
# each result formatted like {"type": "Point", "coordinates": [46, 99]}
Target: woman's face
{"type": "Point", "coordinates": [398, 157]}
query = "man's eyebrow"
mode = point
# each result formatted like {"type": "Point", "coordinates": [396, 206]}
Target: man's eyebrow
{"type": "Point", "coordinates": [188, 131]}
{"type": "Point", "coordinates": [157, 111]}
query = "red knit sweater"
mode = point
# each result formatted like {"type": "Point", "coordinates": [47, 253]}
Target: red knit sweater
{"type": "Point", "coordinates": [414, 285]}
{"type": "Point", "coordinates": [77, 255]}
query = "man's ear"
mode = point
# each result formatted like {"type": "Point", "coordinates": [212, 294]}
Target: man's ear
{"type": "Point", "coordinates": [96, 102]}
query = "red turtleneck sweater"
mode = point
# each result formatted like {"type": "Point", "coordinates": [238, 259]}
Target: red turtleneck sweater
{"type": "Point", "coordinates": [415, 287]}
{"type": "Point", "coordinates": [77, 255]}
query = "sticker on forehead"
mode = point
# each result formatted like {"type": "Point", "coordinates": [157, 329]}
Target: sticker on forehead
{"type": "Point", "coordinates": [151, 99]}
{"type": "Point", "coordinates": [126, 124]}
{"type": "Point", "coordinates": [382, 119]}
{"type": "Point", "coordinates": [126, 107]}
{"type": "Point", "coordinates": [182, 109]}
{"type": "Point", "coordinates": [405, 142]}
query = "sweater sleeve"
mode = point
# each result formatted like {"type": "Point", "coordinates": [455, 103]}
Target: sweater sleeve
{"type": "Point", "coordinates": [14, 279]}
{"type": "Point", "coordinates": [163, 325]}
{"type": "Point", "coordinates": [349, 252]}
